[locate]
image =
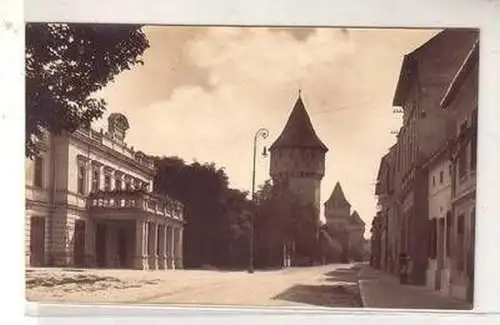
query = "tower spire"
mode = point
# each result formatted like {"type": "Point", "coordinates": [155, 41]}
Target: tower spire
{"type": "Point", "coordinates": [300, 92]}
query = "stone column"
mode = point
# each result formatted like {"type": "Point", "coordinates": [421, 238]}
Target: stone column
{"type": "Point", "coordinates": [170, 248]}
{"type": "Point", "coordinates": [140, 261]}
{"type": "Point", "coordinates": [178, 249]}
{"type": "Point", "coordinates": [165, 246]}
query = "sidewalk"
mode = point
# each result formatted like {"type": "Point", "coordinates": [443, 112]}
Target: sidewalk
{"type": "Point", "coordinates": [382, 290]}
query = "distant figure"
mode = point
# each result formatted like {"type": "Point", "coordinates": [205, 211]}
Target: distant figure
{"type": "Point", "coordinates": [403, 268]}
{"type": "Point", "coordinates": [409, 269]}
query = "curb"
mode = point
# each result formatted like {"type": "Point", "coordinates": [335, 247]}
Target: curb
{"type": "Point", "coordinates": [360, 290]}
{"type": "Point", "coordinates": [361, 295]}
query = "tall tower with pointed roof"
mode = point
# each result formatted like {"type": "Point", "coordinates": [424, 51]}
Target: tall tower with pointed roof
{"type": "Point", "coordinates": [298, 157]}
{"type": "Point", "coordinates": [337, 207]}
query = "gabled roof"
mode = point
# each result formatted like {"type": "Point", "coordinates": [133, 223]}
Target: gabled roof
{"type": "Point", "coordinates": [449, 45]}
{"type": "Point", "coordinates": [337, 198]}
{"type": "Point", "coordinates": [466, 67]}
{"type": "Point", "coordinates": [298, 131]}
{"type": "Point", "coordinates": [356, 219]}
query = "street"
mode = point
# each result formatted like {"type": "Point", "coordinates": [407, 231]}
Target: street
{"type": "Point", "coordinates": [325, 286]}
{"type": "Point", "coordinates": [320, 286]}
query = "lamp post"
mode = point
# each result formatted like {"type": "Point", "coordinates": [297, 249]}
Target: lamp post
{"type": "Point", "coordinates": [263, 133]}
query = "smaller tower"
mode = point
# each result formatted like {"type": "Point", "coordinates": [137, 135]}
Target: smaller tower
{"type": "Point", "coordinates": [356, 236]}
{"type": "Point", "coordinates": [337, 214]}
{"type": "Point", "coordinates": [337, 208]}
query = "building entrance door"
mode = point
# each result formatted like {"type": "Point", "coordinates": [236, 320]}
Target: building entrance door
{"type": "Point", "coordinates": [79, 243]}
{"type": "Point", "coordinates": [122, 246]}
{"type": "Point", "coordinates": [37, 241]}
{"type": "Point", "coordinates": [100, 245]}
{"type": "Point", "coordinates": [441, 233]}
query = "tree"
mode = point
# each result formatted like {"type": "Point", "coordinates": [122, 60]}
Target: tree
{"type": "Point", "coordinates": [216, 230]}
{"type": "Point", "coordinates": [275, 223]}
{"type": "Point", "coordinates": [65, 65]}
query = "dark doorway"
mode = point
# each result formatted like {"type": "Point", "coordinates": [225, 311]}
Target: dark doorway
{"type": "Point", "coordinates": [100, 245]}
{"type": "Point", "coordinates": [79, 243]}
{"type": "Point", "coordinates": [37, 241]}
{"type": "Point", "coordinates": [122, 246]}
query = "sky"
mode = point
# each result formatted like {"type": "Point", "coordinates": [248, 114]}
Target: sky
{"type": "Point", "coordinates": [203, 92]}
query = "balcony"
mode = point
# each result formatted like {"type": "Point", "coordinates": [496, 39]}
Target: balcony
{"type": "Point", "coordinates": [134, 201]}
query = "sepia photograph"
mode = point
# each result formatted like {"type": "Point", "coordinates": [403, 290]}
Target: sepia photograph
{"type": "Point", "coordinates": [251, 166]}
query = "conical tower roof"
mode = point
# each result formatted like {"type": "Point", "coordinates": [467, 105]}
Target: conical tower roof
{"type": "Point", "coordinates": [356, 219]}
{"type": "Point", "coordinates": [337, 198]}
{"type": "Point", "coordinates": [298, 131]}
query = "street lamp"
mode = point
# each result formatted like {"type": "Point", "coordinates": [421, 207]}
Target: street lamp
{"type": "Point", "coordinates": [263, 133]}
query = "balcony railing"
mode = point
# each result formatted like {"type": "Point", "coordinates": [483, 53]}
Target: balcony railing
{"type": "Point", "coordinates": [136, 199]}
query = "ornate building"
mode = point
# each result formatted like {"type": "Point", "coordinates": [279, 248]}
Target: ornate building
{"type": "Point", "coordinates": [89, 203]}
{"type": "Point", "coordinates": [298, 160]}
{"type": "Point", "coordinates": [345, 227]}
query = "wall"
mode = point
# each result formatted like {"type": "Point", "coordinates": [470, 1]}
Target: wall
{"type": "Point", "coordinates": [464, 105]}
{"type": "Point", "coordinates": [439, 181]}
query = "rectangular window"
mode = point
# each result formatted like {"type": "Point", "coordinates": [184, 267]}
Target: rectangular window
{"type": "Point", "coordinates": [441, 177]}
{"type": "Point", "coordinates": [460, 242]}
{"type": "Point", "coordinates": [463, 127]}
{"type": "Point", "coordinates": [433, 238]}
{"type": "Point", "coordinates": [107, 183]}
{"type": "Point", "coordinates": [118, 184]}
{"type": "Point", "coordinates": [473, 144]}
{"type": "Point", "coordinates": [449, 227]}
{"type": "Point", "coordinates": [461, 224]}
{"type": "Point", "coordinates": [462, 163]}
{"type": "Point", "coordinates": [38, 172]}
{"type": "Point", "coordinates": [95, 180]}
{"type": "Point", "coordinates": [81, 180]}
{"type": "Point", "coordinates": [433, 181]}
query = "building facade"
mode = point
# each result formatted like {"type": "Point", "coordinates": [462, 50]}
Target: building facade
{"type": "Point", "coordinates": [298, 161]}
{"type": "Point", "coordinates": [89, 203]}
{"type": "Point", "coordinates": [426, 182]}
{"type": "Point", "coordinates": [424, 77]}
{"type": "Point", "coordinates": [439, 180]}
{"type": "Point", "coordinates": [461, 101]}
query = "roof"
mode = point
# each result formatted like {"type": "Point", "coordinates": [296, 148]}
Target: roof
{"type": "Point", "coordinates": [356, 219]}
{"type": "Point", "coordinates": [466, 67]}
{"type": "Point", "coordinates": [298, 131]}
{"type": "Point", "coordinates": [337, 198]}
{"type": "Point", "coordinates": [455, 41]}
{"type": "Point", "coordinates": [441, 154]}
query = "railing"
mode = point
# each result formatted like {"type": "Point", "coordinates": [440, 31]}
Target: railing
{"type": "Point", "coordinates": [136, 199]}
{"type": "Point", "coordinates": [122, 148]}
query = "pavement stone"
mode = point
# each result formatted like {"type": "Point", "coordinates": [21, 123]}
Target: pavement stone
{"type": "Point", "coordinates": [382, 290]}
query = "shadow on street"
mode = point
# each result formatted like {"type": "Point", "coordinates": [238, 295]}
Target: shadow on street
{"type": "Point", "coordinates": [343, 292]}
